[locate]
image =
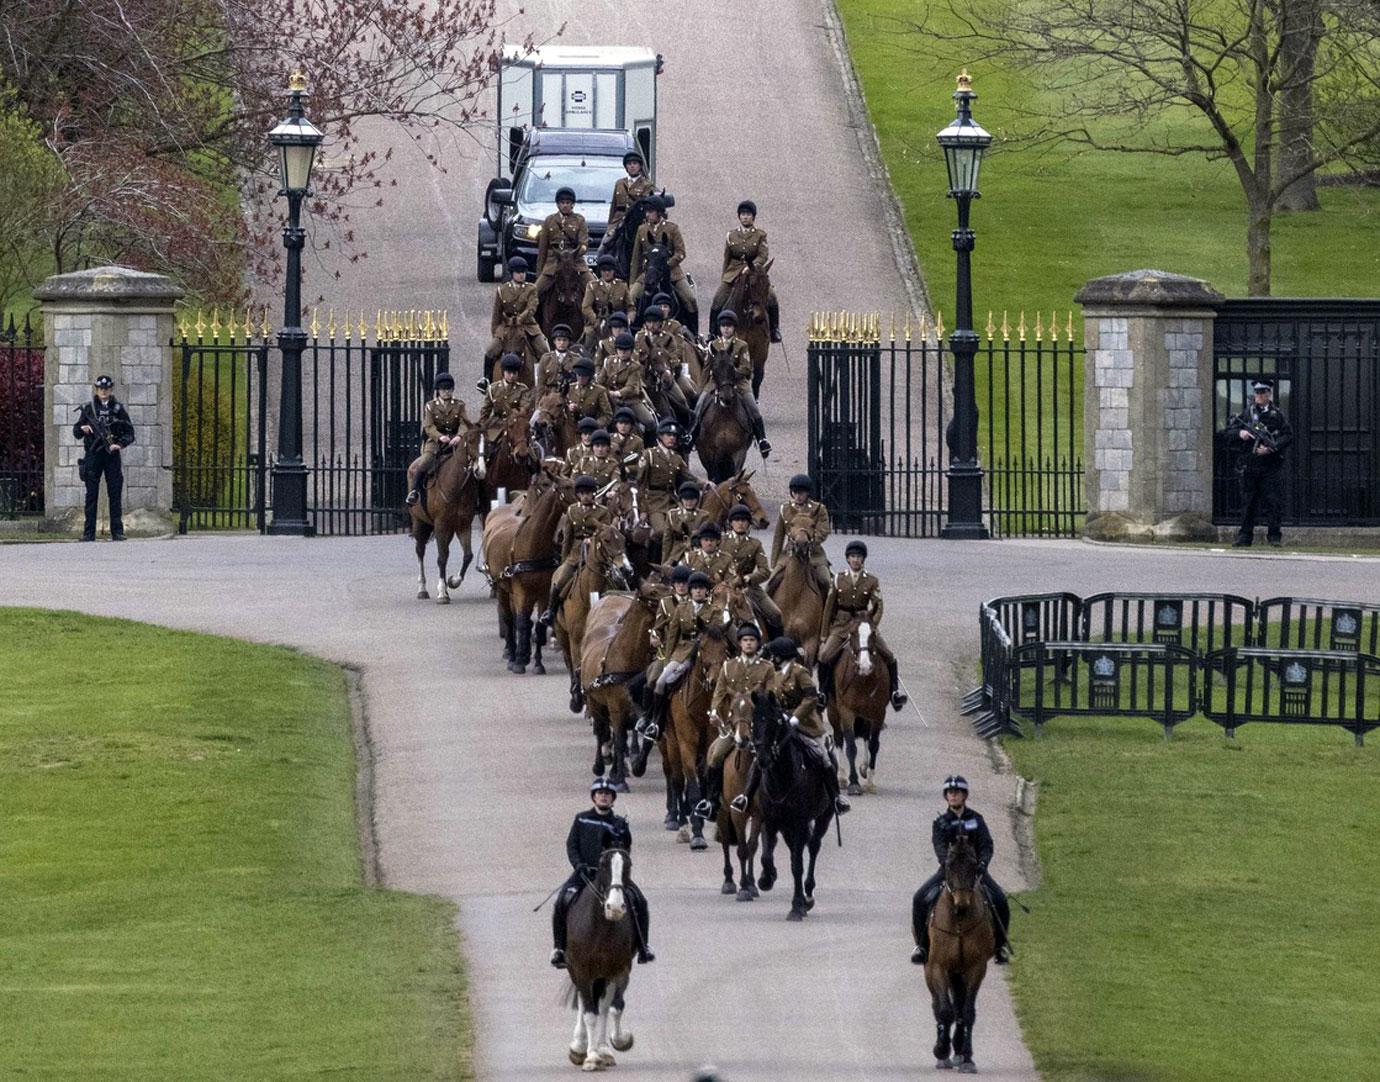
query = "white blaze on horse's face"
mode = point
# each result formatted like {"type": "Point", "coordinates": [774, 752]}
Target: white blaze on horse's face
{"type": "Point", "coordinates": [864, 654]}
{"type": "Point", "coordinates": [614, 907]}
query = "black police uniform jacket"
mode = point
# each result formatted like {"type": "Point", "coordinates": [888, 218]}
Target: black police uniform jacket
{"type": "Point", "coordinates": [1272, 417]}
{"type": "Point", "coordinates": [590, 834]}
{"type": "Point", "coordinates": [947, 825]}
{"type": "Point", "coordinates": [113, 414]}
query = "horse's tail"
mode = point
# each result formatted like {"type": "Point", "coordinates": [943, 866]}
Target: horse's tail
{"type": "Point", "coordinates": [569, 995]}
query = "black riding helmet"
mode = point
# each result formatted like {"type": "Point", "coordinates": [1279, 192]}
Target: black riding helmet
{"type": "Point", "coordinates": [560, 330]}
{"type": "Point", "coordinates": [783, 648]}
{"type": "Point", "coordinates": [729, 316]}
{"type": "Point", "coordinates": [654, 202]}
{"type": "Point", "coordinates": [517, 263]}
{"type": "Point", "coordinates": [855, 547]}
{"type": "Point", "coordinates": [688, 490]}
{"type": "Point", "coordinates": [623, 341]}
{"type": "Point", "coordinates": [443, 379]}
{"type": "Point", "coordinates": [633, 156]}
{"type": "Point", "coordinates": [653, 314]}
{"type": "Point", "coordinates": [802, 482]}
{"type": "Point", "coordinates": [699, 578]}
{"type": "Point", "coordinates": [600, 435]}
{"type": "Point", "coordinates": [749, 631]}
{"type": "Point", "coordinates": [660, 299]}
{"type": "Point", "coordinates": [623, 413]}
{"type": "Point", "coordinates": [680, 573]}
{"type": "Point", "coordinates": [739, 510]}
{"type": "Point", "coordinates": [584, 366]}
{"type": "Point", "coordinates": [587, 424]}
{"type": "Point", "coordinates": [667, 427]}
{"type": "Point", "coordinates": [586, 483]}
{"type": "Point", "coordinates": [565, 193]}
{"type": "Point", "coordinates": [511, 362]}
{"type": "Point", "coordinates": [709, 529]}
{"type": "Point", "coordinates": [618, 319]}
{"type": "Point", "coordinates": [606, 262]}
{"type": "Point", "coordinates": [747, 205]}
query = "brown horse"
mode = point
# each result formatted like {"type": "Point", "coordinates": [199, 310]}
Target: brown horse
{"type": "Point", "coordinates": [513, 339]}
{"type": "Point", "coordinates": [622, 499]}
{"type": "Point", "coordinates": [961, 940]}
{"type": "Point", "coordinates": [862, 682]}
{"type": "Point", "coordinates": [798, 595]}
{"type": "Point", "coordinates": [604, 566]}
{"type": "Point", "coordinates": [718, 500]}
{"type": "Point", "coordinates": [515, 457]}
{"type": "Point", "coordinates": [615, 650]}
{"type": "Point", "coordinates": [748, 299]}
{"type": "Point", "coordinates": [725, 433]}
{"type": "Point", "coordinates": [741, 830]}
{"type": "Point", "coordinates": [520, 557]}
{"type": "Point", "coordinates": [561, 302]}
{"type": "Point", "coordinates": [445, 511]}
{"type": "Point", "coordinates": [686, 739]}
{"type": "Point", "coordinates": [554, 425]}
{"type": "Point", "coordinates": [601, 943]}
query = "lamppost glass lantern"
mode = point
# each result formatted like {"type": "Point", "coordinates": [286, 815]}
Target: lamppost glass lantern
{"type": "Point", "coordinates": [964, 142]}
{"type": "Point", "coordinates": [296, 138]}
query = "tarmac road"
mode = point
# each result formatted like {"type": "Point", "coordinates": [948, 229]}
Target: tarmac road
{"type": "Point", "coordinates": [478, 772]}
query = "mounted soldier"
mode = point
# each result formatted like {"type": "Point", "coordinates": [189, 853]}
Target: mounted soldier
{"type": "Point", "coordinates": [659, 635]}
{"type": "Point", "coordinates": [626, 440]}
{"type": "Point", "coordinates": [854, 595]}
{"type": "Point", "coordinates": [749, 672]}
{"type": "Point", "coordinates": [563, 231]}
{"type": "Point", "coordinates": [515, 305]}
{"type": "Point", "coordinates": [575, 457]}
{"type": "Point", "coordinates": [798, 697]}
{"type": "Point", "coordinates": [604, 295]}
{"type": "Point", "coordinates": [659, 472]}
{"type": "Point", "coordinates": [600, 463]}
{"type": "Point", "coordinates": [746, 246]}
{"type": "Point", "coordinates": [591, 833]}
{"type": "Point", "coordinates": [444, 422]}
{"type": "Point", "coordinates": [507, 398]}
{"type": "Point", "coordinates": [683, 523]}
{"type": "Point", "coordinates": [622, 376]}
{"type": "Point", "coordinates": [728, 343]}
{"type": "Point", "coordinates": [661, 355]}
{"type": "Point", "coordinates": [810, 516]}
{"type": "Point", "coordinates": [688, 371]}
{"type": "Point", "coordinates": [708, 557]}
{"type": "Point", "coordinates": [750, 564]}
{"type": "Point", "coordinates": [657, 231]}
{"type": "Point", "coordinates": [585, 398]}
{"type": "Point", "coordinates": [555, 369]}
{"type": "Point", "coordinates": [628, 190]}
{"type": "Point", "coordinates": [578, 524]}
{"type": "Point", "coordinates": [618, 323]}
{"type": "Point", "coordinates": [691, 619]}
{"type": "Point", "coordinates": [957, 819]}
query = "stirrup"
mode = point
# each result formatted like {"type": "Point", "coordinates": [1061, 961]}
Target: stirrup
{"type": "Point", "coordinates": [776, 334]}
{"type": "Point", "coordinates": [740, 803]}
{"type": "Point", "coordinates": [546, 617]}
{"type": "Point", "coordinates": [898, 700]}
{"type": "Point", "coordinates": [413, 497]}
{"type": "Point", "coordinates": [841, 805]}
{"type": "Point", "coordinates": [1003, 954]}
{"type": "Point", "coordinates": [919, 956]}
{"type": "Point", "coordinates": [763, 447]}
{"type": "Point", "coordinates": [558, 958]}
{"type": "Point", "coordinates": [645, 955]}
{"type": "Point", "coordinates": [704, 809]}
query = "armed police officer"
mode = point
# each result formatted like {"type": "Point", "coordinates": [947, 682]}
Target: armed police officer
{"type": "Point", "coordinates": [958, 818]}
{"type": "Point", "coordinates": [104, 427]}
{"type": "Point", "coordinates": [1259, 436]}
{"type": "Point", "coordinates": [444, 424]}
{"type": "Point", "coordinates": [593, 831]}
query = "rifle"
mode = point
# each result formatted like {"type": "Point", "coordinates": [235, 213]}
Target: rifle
{"type": "Point", "coordinates": [1257, 431]}
{"type": "Point", "coordinates": [101, 436]}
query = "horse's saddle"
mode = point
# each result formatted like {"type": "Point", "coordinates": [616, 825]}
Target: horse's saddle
{"type": "Point", "coordinates": [812, 752]}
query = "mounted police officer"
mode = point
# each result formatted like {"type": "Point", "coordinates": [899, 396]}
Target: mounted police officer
{"type": "Point", "coordinates": [580, 521]}
{"type": "Point", "coordinates": [746, 246]}
{"type": "Point", "coordinates": [659, 472]}
{"type": "Point", "coordinates": [627, 441]}
{"type": "Point", "coordinates": [798, 697]}
{"type": "Point", "coordinates": [593, 831]}
{"type": "Point", "coordinates": [750, 564]}
{"type": "Point", "coordinates": [504, 400]}
{"type": "Point", "coordinates": [515, 305]}
{"type": "Point", "coordinates": [683, 523]}
{"type": "Point", "coordinates": [104, 427]}
{"type": "Point", "coordinates": [750, 671]}
{"type": "Point", "coordinates": [656, 230]}
{"type": "Point", "coordinates": [555, 369]}
{"type": "Point", "coordinates": [855, 594]}
{"type": "Point", "coordinates": [728, 342]}
{"type": "Point", "coordinates": [803, 512]}
{"type": "Point", "coordinates": [627, 191]}
{"type": "Point", "coordinates": [622, 376]}
{"type": "Point", "coordinates": [564, 231]}
{"type": "Point", "coordinates": [603, 296]}
{"type": "Point", "coordinates": [444, 423]}
{"type": "Point", "coordinates": [958, 818]}
{"type": "Point", "coordinates": [1259, 436]}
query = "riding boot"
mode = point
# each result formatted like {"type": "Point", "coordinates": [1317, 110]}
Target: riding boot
{"type": "Point", "coordinates": [920, 927]}
{"type": "Point", "coordinates": [824, 672]}
{"type": "Point", "coordinates": [743, 800]}
{"type": "Point", "coordinates": [414, 496]}
{"type": "Point", "coordinates": [841, 805]}
{"type": "Point", "coordinates": [553, 602]}
{"type": "Point", "coordinates": [759, 429]}
{"type": "Point", "coordinates": [656, 716]}
{"type": "Point", "coordinates": [713, 792]}
{"type": "Point", "coordinates": [774, 318]}
{"type": "Point", "coordinates": [898, 697]}
{"type": "Point", "coordinates": [558, 929]}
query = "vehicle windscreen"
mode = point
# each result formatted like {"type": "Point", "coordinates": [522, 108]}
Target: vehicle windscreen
{"type": "Point", "coordinates": [592, 179]}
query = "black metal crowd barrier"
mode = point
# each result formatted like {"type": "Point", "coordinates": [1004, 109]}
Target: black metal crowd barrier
{"type": "Point", "coordinates": [1166, 657]}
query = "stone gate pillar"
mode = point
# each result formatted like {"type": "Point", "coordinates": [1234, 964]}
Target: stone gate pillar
{"type": "Point", "coordinates": [1147, 414]}
{"type": "Point", "coordinates": [118, 322]}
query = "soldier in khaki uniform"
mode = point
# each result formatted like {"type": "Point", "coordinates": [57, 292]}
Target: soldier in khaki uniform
{"type": "Point", "coordinates": [706, 556]}
{"type": "Point", "coordinates": [555, 369]}
{"type": "Point", "coordinates": [682, 524]}
{"type": "Point", "coordinates": [692, 618]}
{"type": "Point", "coordinates": [564, 231]}
{"type": "Point", "coordinates": [750, 563]}
{"type": "Point", "coordinates": [622, 375]}
{"type": "Point", "coordinates": [663, 357]}
{"type": "Point", "coordinates": [738, 676]}
{"type": "Point", "coordinates": [659, 472]}
{"type": "Point", "coordinates": [628, 190]}
{"type": "Point", "coordinates": [854, 593]}
{"type": "Point", "coordinates": [657, 230]}
{"type": "Point", "coordinates": [515, 305]}
{"type": "Point", "coordinates": [618, 323]}
{"type": "Point", "coordinates": [507, 398]}
{"type": "Point", "coordinates": [797, 695]}
{"type": "Point", "coordinates": [627, 442]}
{"type": "Point", "coordinates": [688, 375]}
{"type": "Point", "coordinates": [746, 246]}
{"type": "Point", "coordinates": [603, 296]}
{"type": "Point", "coordinates": [729, 342]}
{"type": "Point", "coordinates": [574, 463]}
{"type": "Point", "coordinates": [808, 514]}
{"type": "Point", "coordinates": [585, 398]}
{"type": "Point", "coordinates": [640, 687]}
{"type": "Point", "coordinates": [444, 422]}
{"type": "Point", "coordinates": [600, 463]}
{"type": "Point", "coordinates": [581, 520]}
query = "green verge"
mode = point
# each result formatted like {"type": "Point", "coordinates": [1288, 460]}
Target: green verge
{"type": "Point", "coordinates": [180, 871]}
{"type": "Point", "coordinates": [1206, 904]}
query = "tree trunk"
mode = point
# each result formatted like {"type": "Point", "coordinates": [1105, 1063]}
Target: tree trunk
{"type": "Point", "coordinates": [1301, 27]}
{"type": "Point", "coordinates": [1258, 223]}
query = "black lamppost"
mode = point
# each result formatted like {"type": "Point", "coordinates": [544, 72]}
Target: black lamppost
{"type": "Point", "coordinates": [296, 138]}
{"type": "Point", "coordinates": [964, 142]}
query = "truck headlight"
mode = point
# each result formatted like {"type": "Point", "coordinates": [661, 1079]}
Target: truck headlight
{"type": "Point", "coordinates": [531, 231]}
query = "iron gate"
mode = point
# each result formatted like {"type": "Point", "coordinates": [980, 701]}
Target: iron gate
{"type": "Point", "coordinates": [1324, 359]}
{"type": "Point", "coordinates": [21, 421]}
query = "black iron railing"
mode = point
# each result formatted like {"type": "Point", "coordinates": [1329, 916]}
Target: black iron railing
{"type": "Point", "coordinates": [21, 420]}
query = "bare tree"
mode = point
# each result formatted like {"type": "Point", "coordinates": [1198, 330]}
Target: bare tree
{"type": "Point", "coordinates": [1283, 88]}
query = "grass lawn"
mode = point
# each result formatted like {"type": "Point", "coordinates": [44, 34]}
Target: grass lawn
{"type": "Point", "coordinates": [180, 876]}
{"type": "Point", "coordinates": [1207, 905]}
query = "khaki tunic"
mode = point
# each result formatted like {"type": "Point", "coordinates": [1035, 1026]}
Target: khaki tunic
{"type": "Point", "coordinates": [602, 299]}
{"type": "Point", "coordinates": [742, 364]}
{"type": "Point", "coordinates": [799, 698]}
{"type": "Point", "coordinates": [749, 558]}
{"type": "Point", "coordinates": [742, 247]}
{"type": "Point", "coordinates": [622, 379]}
{"type": "Point", "coordinates": [718, 566]}
{"type": "Point", "coordinates": [686, 626]}
{"type": "Point", "coordinates": [579, 524]}
{"type": "Point", "coordinates": [680, 528]}
{"type": "Point", "coordinates": [740, 676]}
{"type": "Point", "coordinates": [661, 622]}
{"type": "Point", "coordinates": [656, 350]}
{"type": "Point", "coordinates": [442, 418]}
{"type": "Point", "coordinates": [574, 463]}
{"type": "Point", "coordinates": [591, 400]}
{"type": "Point", "coordinates": [515, 304]}
{"type": "Point", "coordinates": [554, 369]}
{"type": "Point", "coordinates": [559, 231]}
{"type": "Point", "coordinates": [659, 473]}
{"type": "Point", "coordinates": [626, 192]}
{"type": "Point", "coordinates": [503, 401]}
{"type": "Point", "coordinates": [664, 233]}
{"type": "Point", "coordinates": [852, 596]}
{"type": "Point", "coordinates": [604, 469]}
{"type": "Point", "coordinates": [812, 516]}
{"type": "Point", "coordinates": [627, 446]}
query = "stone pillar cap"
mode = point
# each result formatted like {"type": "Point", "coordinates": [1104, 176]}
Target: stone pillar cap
{"type": "Point", "coordinates": [113, 283]}
{"type": "Point", "coordinates": [1150, 289]}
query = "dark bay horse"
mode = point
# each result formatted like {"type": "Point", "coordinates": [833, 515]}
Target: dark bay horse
{"type": "Point", "coordinates": [656, 278]}
{"type": "Point", "coordinates": [604, 566]}
{"type": "Point", "coordinates": [795, 801]}
{"type": "Point", "coordinates": [798, 595]}
{"type": "Point", "coordinates": [561, 301]}
{"type": "Point", "coordinates": [748, 298]}
{"type": "Point", "coordinates": [615, 650]}
{"type": "Point", "coordinates": [725, 433]}
{"type": "Point", "coordinates": [446, 511]}
{"type": "Point", "coordinates": [739, 830]}
{"type": "Point", "coordinates": [514, 340]}
{"type": "Point", "coordinates": [961, 940]}
{"type": "Point", "coordinates": [601, 944]}
{"type": "Point", "coordinates": [515, 457]}
{"type": "Point", "coordinates": [857, 710]}
{"type": "Point", "coordinates": [554, 425]}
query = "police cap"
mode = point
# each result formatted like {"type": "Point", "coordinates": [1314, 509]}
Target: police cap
{"type": "Point", "coordinates": [104, 382]}
{"type": "Point", "coordinates": [1262, 385]}
{"type": "Point", "coordinates": [511, 362]}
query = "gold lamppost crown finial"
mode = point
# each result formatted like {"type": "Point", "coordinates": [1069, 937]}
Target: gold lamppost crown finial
{"type": "Point", "coordinates": [965, 81]}
{"type": "Point", "coordinates": [297, 82]}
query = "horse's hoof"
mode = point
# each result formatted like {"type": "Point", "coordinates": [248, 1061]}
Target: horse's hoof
{"type": "Point", "coordinates": [698, 843]}
{"type": "Point", "coordinates": [809, 903]}
{"type": "Point", "coordinates": [622, 1044]}
{"type": "Point", "coordinates": [577, 1058]}
{"type": "Point", "coordinates": [728, 887]}
{"type": "Point", "coordinates": [746, 894]}
{"type": "Point", "coordinates": [518, 669]}
{"type": "Point", "coordinates": [539, 669]}
{"type": "Point", "coordinates": [606, 1059]}
{"type": "Point", "coordinates": [766, 882]}
{"type": "Point", "coordinates": [422, 595]}
{"type": "Point", "coordinates": [682, 833]}
{"type": "Point", "coordinates": [943, 1065]}
{"type": "Point", "coordinates": [575, 704]}
{"type": "Point", "coordinates": [671, 823]}
{"type": "Point", "coordinates": [870, 787]}
{"type": "Point", "coordinates": [854, 789]}
{"type": "Point", "coordinates": [591, 1065]}
{"type": "Point", "coordinates": [443, 599]}
{"type": "Point", "coordinates": [796, 914]}
{"type": "Point", "coordinates": [455, 582]}
{"type": "Point", "coordinates": [622, 787]}
{"type": "Point", "coordinates": [967, 1067]}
